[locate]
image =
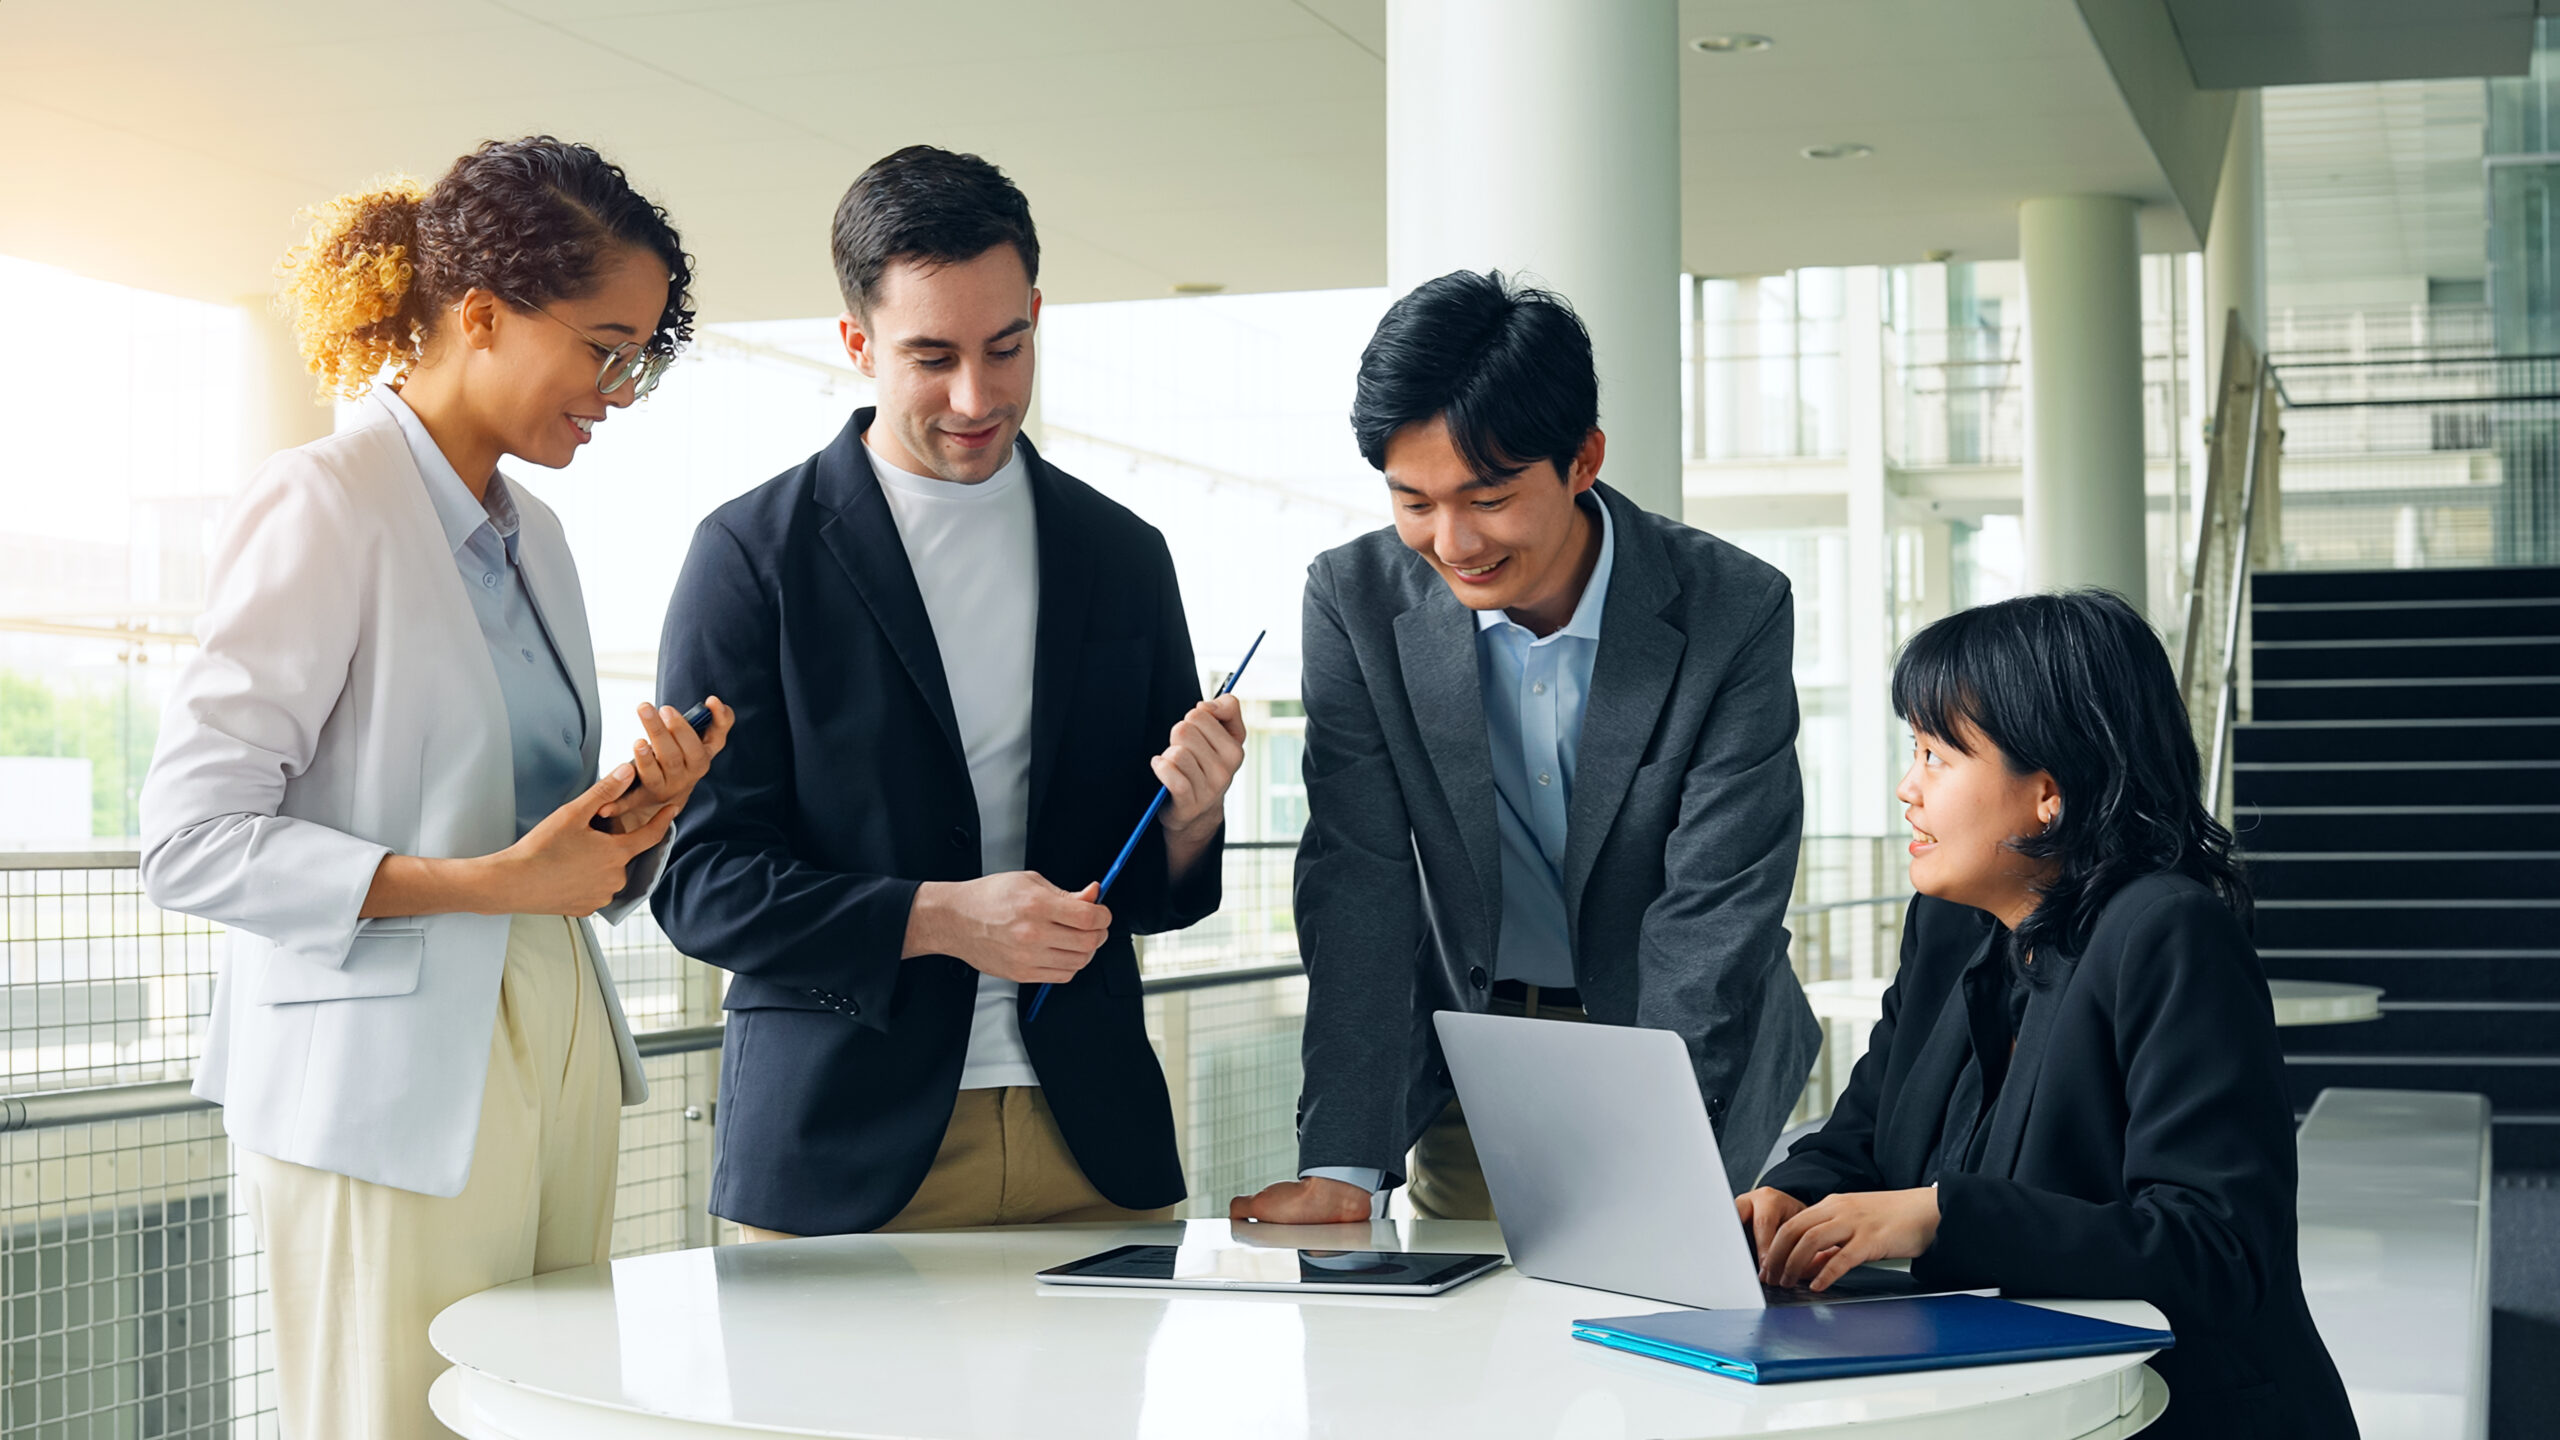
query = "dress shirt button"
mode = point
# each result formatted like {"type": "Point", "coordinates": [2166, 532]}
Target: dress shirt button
{"type": "Point", "coordinates": [527, 654]}
{"type": "Point", "coordinates": [1477, 977]}
{"type": "Point", "coordinates": [568, 736]}
{"type": "Point", "coordinates": [1544, 778]}
{"type": "Point", "coordinates": [1540, 688]}
{"type": "Point", "coordinates": [489, 582]}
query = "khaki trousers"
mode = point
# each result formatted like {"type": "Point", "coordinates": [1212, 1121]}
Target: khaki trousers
{"type": "Point", "coordinates": [1444, 1178]}
{"type": "Point", "coordinates": [1002, 1162]}
{"type": "Point", "coordinates": [355, 1270]}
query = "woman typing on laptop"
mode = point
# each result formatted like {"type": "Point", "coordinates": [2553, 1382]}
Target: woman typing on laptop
{"type": "Point", "coordinates": [2075, 1087]}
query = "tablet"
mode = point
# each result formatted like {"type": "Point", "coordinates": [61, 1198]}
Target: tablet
{"type": "Point", "coordinates": [1240, 1267]}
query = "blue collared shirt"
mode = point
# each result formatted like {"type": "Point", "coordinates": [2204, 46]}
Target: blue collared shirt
{"type": "Point", "coordinates": [1536, 690]}
{"type": "Point", "coordinates": [546, 722]}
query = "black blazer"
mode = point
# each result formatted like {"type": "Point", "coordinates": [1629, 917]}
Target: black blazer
{"type": "Point", "coordinates": [845, 787]}
{"type": "Point", "coordinates": [2141, 1147]}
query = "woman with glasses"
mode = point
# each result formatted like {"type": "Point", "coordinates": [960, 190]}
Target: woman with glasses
{"type": "Point", "coordinates": [2075, 1088]}
{"type": "Point", "coordinates": [378, 773]}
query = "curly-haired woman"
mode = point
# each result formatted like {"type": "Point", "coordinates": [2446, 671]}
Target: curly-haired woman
{"type": "Point", "coordinates": [2075, 1088]}
{"type": "Point", "coordinates": [379, 773]}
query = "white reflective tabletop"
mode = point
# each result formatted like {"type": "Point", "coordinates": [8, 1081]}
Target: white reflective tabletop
{"type": "Point", "coordinates": [947, 1337]}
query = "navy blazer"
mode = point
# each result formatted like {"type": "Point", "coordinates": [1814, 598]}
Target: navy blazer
{"type": "Point", "coordinates": [2141, 1147]}
{"type": "Point", "coordinates": [796, 862]}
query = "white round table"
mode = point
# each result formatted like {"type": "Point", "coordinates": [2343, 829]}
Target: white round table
{"type": "Point", "coordinates": [2298, 1002]}
{"type": "Point", "coordinates": [948, 1337]}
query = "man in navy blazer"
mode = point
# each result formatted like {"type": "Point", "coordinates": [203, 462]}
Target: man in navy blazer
{"type": "Point", "coordinates": [961, 667]}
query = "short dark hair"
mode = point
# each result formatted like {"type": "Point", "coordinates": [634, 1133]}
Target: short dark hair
{"type": "Point", "coordinates": [1508, 365]}
{"type": "Point", "coordinates": [928, 204]}
{"type": "Point", "coordinates": [2076, 685]}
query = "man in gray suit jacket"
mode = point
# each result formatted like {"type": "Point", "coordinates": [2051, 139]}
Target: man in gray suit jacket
{"type": "Point", "coordinates": [1550, 765]}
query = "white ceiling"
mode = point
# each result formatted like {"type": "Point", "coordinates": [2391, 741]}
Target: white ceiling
{"type": "Point", "coordinates": [2375, 181]}
{"type": "Point", "coordinates": [1237, 142]}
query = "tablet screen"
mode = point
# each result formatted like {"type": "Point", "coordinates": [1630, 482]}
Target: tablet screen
{"type": "Point", "coordinates": [1232, 1264]}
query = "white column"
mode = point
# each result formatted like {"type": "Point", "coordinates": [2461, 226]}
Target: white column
{"type": "Point", "coordinates": [2235, 247]}
{"type": "Point", "coordinates": [283, 404]}
{"type": "Point", "coordinates": [1542, 137]}
{"type": "Point", "coordinates": [2084, 503]}
{"type": "Point", "coordinates": [1872, 808]}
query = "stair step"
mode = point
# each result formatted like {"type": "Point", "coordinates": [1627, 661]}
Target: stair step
{"type": "Point", "coordinates": [2469, 583]}
{"type": "Point", "coordinates": [2512, 655]}
{"type": "Point", "coordinates": [2397, 829]}
{"type": "Point", "coordinates": [2409, 620]}
{"type": "Point", "coordinates": [2409, 924]}
{"type": "Point", "coordinates": [2512, 1082]}
{"type": "Point", "coordinates": [2306, 741]}
{"type": "Point", "coordinates": [2388, 782]}
{"type": "Point", "coordinates": [2437, 1027]}
{"type": "Point", "coordinates": [2476, 697]}
{"type": "Point", "coordinates": [2411, 975]}
{"type": "Point", "coordinates": [2287, 876]}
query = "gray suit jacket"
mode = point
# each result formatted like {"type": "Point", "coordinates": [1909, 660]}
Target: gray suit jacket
{"type": "Point", "coordinates": [1680, 851]}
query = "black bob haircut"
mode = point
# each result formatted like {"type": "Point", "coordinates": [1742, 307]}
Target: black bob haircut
{"type": "Point", "coordinates": [1508, 365]}
{"type": "Point", "coordinates": [927, 204]}
{"type": "Point", "coordinates": [2076, 685]}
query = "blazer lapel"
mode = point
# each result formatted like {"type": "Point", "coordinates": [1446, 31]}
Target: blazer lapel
{"type": "Point", "coordinates": [2017, 1092]}
{"type": "Point", "coordinates": [1436, 650]}
{"type": "Point", "coordinates": [863, 537]}
{"type": "Point", "coordinates": [1920, 1103]}
{"type": "Point", "coordinates": [1631, 678]}
{"type": "Point", "coordinates": [1066, 596]}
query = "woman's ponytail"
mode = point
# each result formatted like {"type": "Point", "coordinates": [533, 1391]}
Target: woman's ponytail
{"type": "Point", "coordinates": [351, 288]}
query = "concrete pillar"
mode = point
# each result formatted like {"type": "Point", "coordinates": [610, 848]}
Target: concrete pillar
{"type": "Point", "coordinates": [282, 403]}
{"type": "Point", "coordinates": [1543, 137]}
{"type": "Point", "coordinates": [2084, 475]}
{"type": "Point", "coordinates": [1872, 733]}
{"type": "Point", "coordinates": [2235, 246]}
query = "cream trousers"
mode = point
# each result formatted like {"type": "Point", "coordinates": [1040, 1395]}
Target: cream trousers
{"type": "Point", "coordinates": [355, 1270]}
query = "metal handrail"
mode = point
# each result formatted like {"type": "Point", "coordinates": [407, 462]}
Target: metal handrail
{"type": "Point", "coordinates": [2226, 698]}
{"type": "Point", "coordinates": [99, 1104]}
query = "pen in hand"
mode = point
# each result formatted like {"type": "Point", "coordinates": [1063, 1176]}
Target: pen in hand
{"type": "Point", "coordinates": [1154, 806]}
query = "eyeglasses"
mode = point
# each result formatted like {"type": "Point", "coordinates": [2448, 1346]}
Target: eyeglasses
{"type": "Point", "coordinates": [628, 363]}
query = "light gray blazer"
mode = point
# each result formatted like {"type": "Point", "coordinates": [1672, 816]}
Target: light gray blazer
{"type": "Point", "coordinates": [1680, 847]}
{"type": "Point", "coordinates": [341, 705]}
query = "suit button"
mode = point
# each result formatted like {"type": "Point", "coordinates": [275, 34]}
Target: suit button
{"type": "Point", "coordinates": [1477, 977]}
{"type": "Point", "coordinates": [1715, 1107]}
{"type": "Point", "coordinates": [1444, 1075]}
{"type": "Point", "coordinates": [959, 837]}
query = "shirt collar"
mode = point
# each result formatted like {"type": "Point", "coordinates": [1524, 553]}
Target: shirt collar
{"type": "Point", "coordinates": [1585, 624]}
{"type": "Point", "coordinates": [460, 515]}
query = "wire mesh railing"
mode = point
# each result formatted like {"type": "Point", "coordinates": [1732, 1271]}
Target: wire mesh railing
{"type": "Point", "coordinates": [132, 1291]}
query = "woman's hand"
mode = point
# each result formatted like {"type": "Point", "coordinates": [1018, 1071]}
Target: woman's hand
{"type": "Point", "coordinates": [668, 759]}
{"type": "Point", "coordinates": [565, 866]}
{"type": "Point", "coordinates": [1763, 1211]}
{"type": "Point", "coordinates": [1823, 1242]}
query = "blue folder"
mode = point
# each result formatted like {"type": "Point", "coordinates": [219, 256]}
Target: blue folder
{"type": "Point", "coordinates": [1870, 1337]}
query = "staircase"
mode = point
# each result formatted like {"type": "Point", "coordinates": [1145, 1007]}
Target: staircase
{"type": "Point", "coordinates": [2397, 797]}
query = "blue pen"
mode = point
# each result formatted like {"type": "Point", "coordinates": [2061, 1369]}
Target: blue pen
{"type": "Point", "coordinates": [1153, 806]}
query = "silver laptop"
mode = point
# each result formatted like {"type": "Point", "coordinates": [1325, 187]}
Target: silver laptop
{"type": "Point", "coordinates": [1604, 1169]}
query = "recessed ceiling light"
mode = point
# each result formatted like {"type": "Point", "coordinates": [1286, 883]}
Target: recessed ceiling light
{"type": "Point", "coordinates": [1731, 44]}
{"type": "Point", "coordinates": [1937, 257]}
{"type": "Point", "coordinates": [1846, 150]}
{"type": "Point", "coordinates": [1199, 287]}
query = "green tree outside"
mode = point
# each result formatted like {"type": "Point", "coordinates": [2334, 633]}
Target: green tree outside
{"type": "Point", "coordinates": [87, 722]}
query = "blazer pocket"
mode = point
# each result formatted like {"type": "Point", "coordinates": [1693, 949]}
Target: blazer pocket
{"type": "Point", "coordinates": [381, 962]}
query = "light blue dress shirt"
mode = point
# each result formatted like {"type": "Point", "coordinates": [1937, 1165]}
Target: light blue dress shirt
{"type": "Point", "coordinates": [546, 722]}
{"type": "Point", "coordinates": [1536, 690]}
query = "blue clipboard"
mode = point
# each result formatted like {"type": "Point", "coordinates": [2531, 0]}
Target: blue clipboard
{"type": "Point", "coordinates": [1869, 1337]}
